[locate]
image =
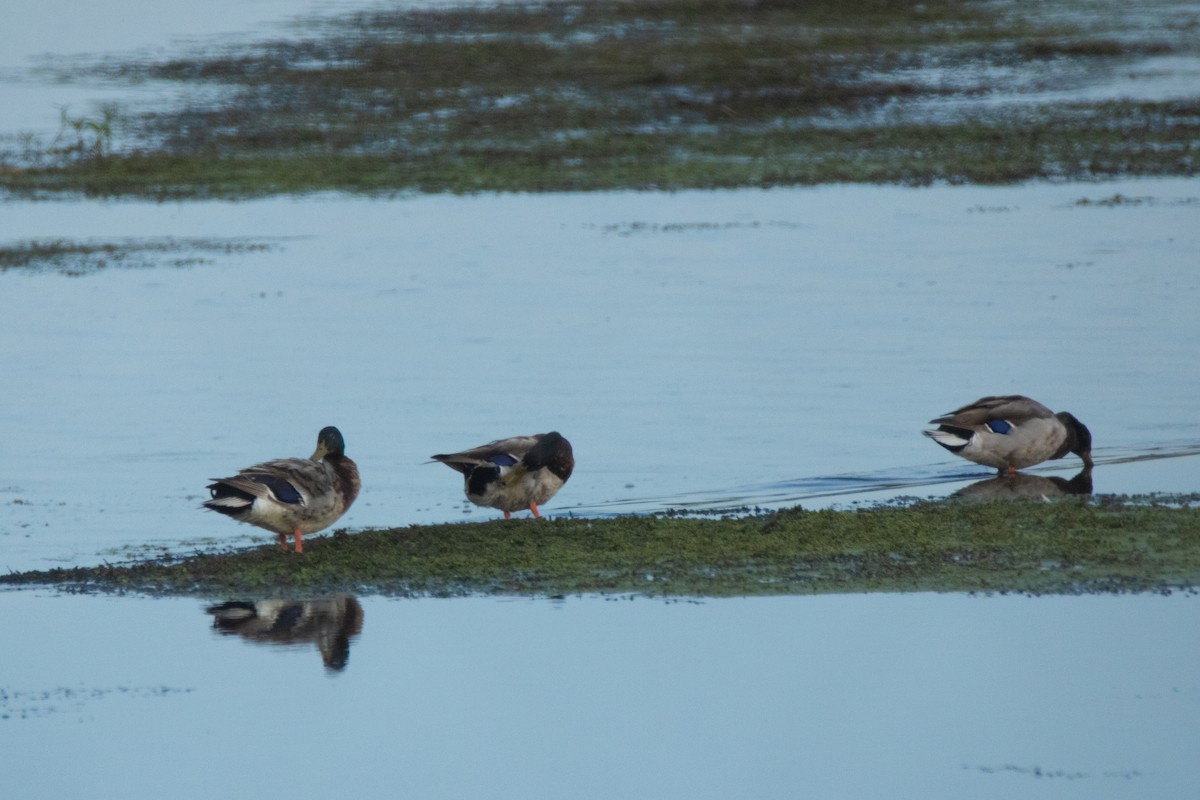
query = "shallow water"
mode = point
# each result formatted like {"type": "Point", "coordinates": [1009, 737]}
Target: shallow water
{"type": "Point", "coordinates": [836, 696]}
{"type": "Point", "coordinates": [749, 347]}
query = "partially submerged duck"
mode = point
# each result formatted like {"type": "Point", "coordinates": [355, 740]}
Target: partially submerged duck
{"type": "Point", "coordinates": [1011, 432]}
{"type": "Point", "coordinates": [514, 473]}
{"type": "Point", "coordinates": [291, 495]}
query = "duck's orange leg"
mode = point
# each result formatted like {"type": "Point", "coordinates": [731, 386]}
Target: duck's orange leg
{"type": "Point", "coordinates": [299, 544]}
{"type": "Point", "coordinates": [282, 538]}
{"type": "Point", "coordinates": [507, 515]}
{"type": "Point", "coordinates": [533, 508]}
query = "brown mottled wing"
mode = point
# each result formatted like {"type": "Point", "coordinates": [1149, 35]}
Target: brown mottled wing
{"type": "Point", "coordinates": [282, 478]}
{"type": "Point", "coordinates": [1015, 408]}
{"type": "Point", "coordinates": [515, 446]}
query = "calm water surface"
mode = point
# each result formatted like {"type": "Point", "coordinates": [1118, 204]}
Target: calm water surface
{"type": "Point", "coordinates": [851, 696]}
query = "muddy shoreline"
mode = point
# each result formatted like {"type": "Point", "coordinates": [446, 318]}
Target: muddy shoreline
{"type": "Point", "coordinates": [1107, 545]}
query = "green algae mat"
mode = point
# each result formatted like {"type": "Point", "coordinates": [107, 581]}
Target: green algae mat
{"type": "Point", "coordinates": [642, 94]}
{"type": "Point", "coordinates": [1063, 547]}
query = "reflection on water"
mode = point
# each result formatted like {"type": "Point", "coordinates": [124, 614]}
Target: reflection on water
{"type": "Point", "coordinates": [882, 485]}
{"type": "Point", "coordinates": [1021, 486]}
{"type": "Point", "coordinates": [328, 622]}
{"type": "Point", "coordinates": [984, 697]}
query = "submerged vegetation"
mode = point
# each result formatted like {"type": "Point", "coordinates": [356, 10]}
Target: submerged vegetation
{"type": "Point", "coordinates": [662, 94]}
{"type": "Point", "coordinates": [75, 258]}
{"type": "Point", "coordinates": [1070, 546]}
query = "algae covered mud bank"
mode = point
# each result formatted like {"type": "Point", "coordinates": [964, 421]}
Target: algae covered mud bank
{"type": "Point", "coordinates": [1064, 547]}
{"type": "Point", "coordinates": [657, 94]}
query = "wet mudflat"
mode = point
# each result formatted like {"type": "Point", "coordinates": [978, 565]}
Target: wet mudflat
{"type": "Point", "coordinates": [667, 94]}
{"type": "Point", "coordinates": [1047, 544]}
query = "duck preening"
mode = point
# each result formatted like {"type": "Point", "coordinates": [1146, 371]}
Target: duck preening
{"type": "Point", "coordinates": [514, 473]}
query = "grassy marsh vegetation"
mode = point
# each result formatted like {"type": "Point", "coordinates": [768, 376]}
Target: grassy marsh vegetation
{"type": "Point", "coordinates": [662, 94]}
{"type": "Point", "coordinates": [1073, 546]}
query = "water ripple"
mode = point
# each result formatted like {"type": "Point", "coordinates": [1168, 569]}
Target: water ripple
{"type": "Point", "coordinates": [827, 490]}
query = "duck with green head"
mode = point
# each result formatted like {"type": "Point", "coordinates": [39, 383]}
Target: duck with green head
{"type": "Point", "coordinates": [291, 495]}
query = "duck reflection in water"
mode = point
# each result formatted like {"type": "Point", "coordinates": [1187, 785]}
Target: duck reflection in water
{"type": "Point", "coordinates": [328, 622]}
{"type": "Point", "coordinates": [1020, 486]}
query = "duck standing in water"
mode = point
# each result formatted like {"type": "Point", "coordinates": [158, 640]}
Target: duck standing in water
{"type": "Point", "coordinates": [1011, 432]}
{"type": "Point", "coordinates": [514, 473]}
{"type": "Point", "coordinates": [291, 495]}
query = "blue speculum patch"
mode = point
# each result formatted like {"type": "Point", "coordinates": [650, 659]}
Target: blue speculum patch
{"type": "Point", "coordinates": [503, 460]}
{"type": "Point", "coordinates": [283, 491]}
{"type": "Point", "coordinates": [999, 426]}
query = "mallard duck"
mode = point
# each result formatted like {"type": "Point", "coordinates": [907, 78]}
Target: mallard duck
{"type": "Point", "coordinates": [328, 622]}
{"type": "Point", "coordinates": [515, 473]}
{"type": "Point", "coordinates": [1011, 432]}
{"type": "Point", "coordinates": [292, 495]}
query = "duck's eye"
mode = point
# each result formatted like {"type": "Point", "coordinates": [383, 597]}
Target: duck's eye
{"type": "Point", "coordinates": [999, 426]}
